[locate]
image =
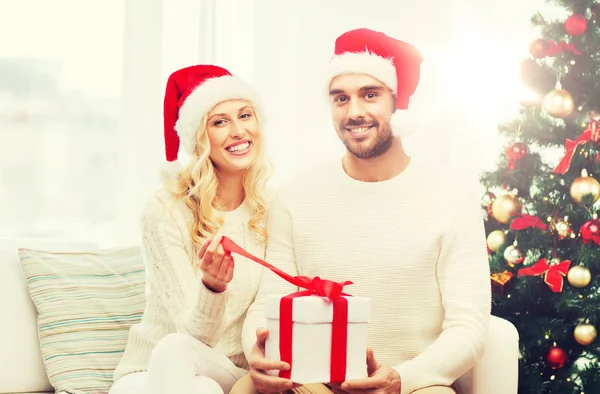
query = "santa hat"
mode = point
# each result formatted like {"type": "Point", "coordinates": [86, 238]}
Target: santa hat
{"type": "Point", "coordinates": [190, 94]}
{"type": "Point", "coordinates": [395, 63]}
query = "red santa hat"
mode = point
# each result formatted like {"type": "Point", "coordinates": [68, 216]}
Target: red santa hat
{"type": "Point", "coordinates": [395, 63]}
{"type": "Point", "coordinates": [190, 94]}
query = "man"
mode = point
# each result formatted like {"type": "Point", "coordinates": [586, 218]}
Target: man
{"type": "Point", "coordinates": [389, 223]}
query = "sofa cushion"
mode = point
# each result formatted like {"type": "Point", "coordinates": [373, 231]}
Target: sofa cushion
{"type": "Point", "coordinates": [86, 303]}
{"type": "Point", "coordinates": [22, 367]}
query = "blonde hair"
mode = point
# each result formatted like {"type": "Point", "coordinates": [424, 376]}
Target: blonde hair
{"type": "Point", "coordinates": [197, 186]}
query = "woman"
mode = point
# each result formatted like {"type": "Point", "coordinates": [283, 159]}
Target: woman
{"type": "Point", "coordinates": [189, 338]}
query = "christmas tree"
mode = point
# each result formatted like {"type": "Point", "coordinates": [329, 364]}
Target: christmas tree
{"type": "Point", "coordinates": [543, 232]}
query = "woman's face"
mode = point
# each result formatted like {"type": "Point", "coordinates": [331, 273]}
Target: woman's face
{"type": "Point", "coordinates": [233, 133]}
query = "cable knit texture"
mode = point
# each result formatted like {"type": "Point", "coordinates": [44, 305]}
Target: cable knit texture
{"type": "Point", "coordinates": [177, 301]}
{"type": "Point", "coordinates": [413, 244]}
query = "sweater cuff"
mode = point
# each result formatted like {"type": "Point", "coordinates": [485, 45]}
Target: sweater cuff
{"type": "Point", "coordinates": [408, 377]}
{"type": "Point", "coordinates": [211, 305]}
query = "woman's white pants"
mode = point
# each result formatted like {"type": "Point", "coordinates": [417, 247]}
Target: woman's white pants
{"type": "Point", "coordinates": [180, 364]}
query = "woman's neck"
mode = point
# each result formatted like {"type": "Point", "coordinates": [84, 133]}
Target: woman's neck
{"type": "Point", "coordinates": [230, 191]}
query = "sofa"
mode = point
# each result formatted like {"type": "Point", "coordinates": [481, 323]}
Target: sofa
{"type": "Point", "coordinates": [67, 307]}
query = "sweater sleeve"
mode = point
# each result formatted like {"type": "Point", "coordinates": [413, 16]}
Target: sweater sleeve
{"type": "Point", "coordinates": [464, 279]}
{"type": "Point", "coordinates": [280, 253]}
{"type": "Point", "coordinates": [194, 309]}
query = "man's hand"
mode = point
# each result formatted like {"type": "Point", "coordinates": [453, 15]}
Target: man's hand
{"type": "Point", "coordinates": [259, 365]}
{"type": "Point", "coordinates": [382, 380]}
{"type": "Point", "coordinates": [216, 265]}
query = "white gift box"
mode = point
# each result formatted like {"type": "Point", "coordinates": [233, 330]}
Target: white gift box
{"type": "Point", "coordinates": [311, 337]}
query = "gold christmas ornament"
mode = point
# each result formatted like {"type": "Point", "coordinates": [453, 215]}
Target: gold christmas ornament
{"type": "Point", "coordinates": [513, 255]}
{"type": "Point", "coordinates": [505, 207]}
{"type": "Point", "coordinates": [495, 240]}
{"type": "Point", "coordinates": [558, 103]}
{"type": "Point", "coordinates": [583, 186]}
{"type": "Point", "coordinates": [499, 280]}
{"type": "Point", "coordinates": [585, 334]}
{"type": "Point", "coordinates": [561, 228]}
{"type": "Point", "coordinates": [579, 276]}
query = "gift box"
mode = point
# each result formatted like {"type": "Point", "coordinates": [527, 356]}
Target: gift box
{"type": "Point", "coordinates": [323, 340]}
{"type": "Point", "coordinates": [321, 331]}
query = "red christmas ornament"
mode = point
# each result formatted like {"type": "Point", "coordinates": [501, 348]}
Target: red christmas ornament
{"type": "Point", "coordinates": [590, 231]}
{"type": "Point", "coordinates": [576, 25]}
{"type": "Point", "coordinates": [515, 152]}
{"type": "Point", "coordinates": [539, 48]}
{"type": "Point", "coordinates": [556, 357]}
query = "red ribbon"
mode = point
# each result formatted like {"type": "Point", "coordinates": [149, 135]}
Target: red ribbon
{"type": "Point", "coordinates": [314, 286]}
{"type": "Point", "coordinates": [556, 48]}
{"type": "Point", "coordinates": [526, 221]}
{"type": "Point", "coordinates": [591, 133]}
{"type": "Point", "coordinates": [553, 274]}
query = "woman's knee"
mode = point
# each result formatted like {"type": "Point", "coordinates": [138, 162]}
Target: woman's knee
{"type": "Point", "coordinates": [243, 386]}
{"type": "Point", "coordinates": [206, 385]}
{"type": "Point", "coordinates": [436, 390]}
{"type": "Point", "coordinates": [172, 344]}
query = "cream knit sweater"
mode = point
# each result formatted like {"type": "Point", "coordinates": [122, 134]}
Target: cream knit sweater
{"type": "Point", "coordinates": [177, 301]}
{"type": "Point", "coordinates": [412, 244]}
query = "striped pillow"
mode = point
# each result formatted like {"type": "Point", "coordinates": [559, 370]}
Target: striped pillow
{"type": "Point", "coordinates": [86, 303]}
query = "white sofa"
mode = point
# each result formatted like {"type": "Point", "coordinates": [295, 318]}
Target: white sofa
{"type": "Point", "coordinates": [22, 369]}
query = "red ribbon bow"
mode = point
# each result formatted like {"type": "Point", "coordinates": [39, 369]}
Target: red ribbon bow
{"type": "Point", "coordinates": [314, 286]}
{"type": "Point", "coordinates": [526, 221]}
{"type": "Point", "coordinates": [556, 48]}
{"type": "Point", "coordinates": [553, 274]}
{"type": "Point", "coordinates": [591, 133]}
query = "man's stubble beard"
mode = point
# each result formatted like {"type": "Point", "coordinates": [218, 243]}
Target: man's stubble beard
{"type": "Point", "coordinates": [383, 141]}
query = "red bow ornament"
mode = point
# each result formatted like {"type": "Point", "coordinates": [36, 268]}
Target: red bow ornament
{"type": "Point", "coordinates": [523, 222]}
{"type": "Point", "coordinates": [332, 292]}
{"type": "Point", "coordinates": [553, 273]}
{"type": "Point", "coordinates": [591, 133]}
{"type": "Point", "coordinates": [554, 48]}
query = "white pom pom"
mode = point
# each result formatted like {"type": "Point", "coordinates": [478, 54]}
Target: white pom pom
{"type": "Point", "coordinates": [170, 170]}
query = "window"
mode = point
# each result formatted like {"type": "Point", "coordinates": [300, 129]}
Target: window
{"type": "Point", "coordinates": [60, 85]}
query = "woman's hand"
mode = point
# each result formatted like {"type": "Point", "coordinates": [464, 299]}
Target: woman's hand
{"type": "Point", "coordinates": [216, 265]}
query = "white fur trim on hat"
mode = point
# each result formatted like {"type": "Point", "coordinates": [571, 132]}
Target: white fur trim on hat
{"type": "Point", "coordinates": [364, 63]}
{"type": "Point", "coordinates": [377, 67]}
{"type": "Point", "coordinates": [204, 98]}
{"type": "Point", "coordinates": [170, 170]}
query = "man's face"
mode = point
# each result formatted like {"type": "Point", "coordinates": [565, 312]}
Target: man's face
{"type": "Point", "coordinates": [361, 107]}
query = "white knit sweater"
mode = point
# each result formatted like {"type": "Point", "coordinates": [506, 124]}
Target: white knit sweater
{"type": "Point", "coordinates": [177, 301]}
{"type": "Point", "coordinates": [411, 244]}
